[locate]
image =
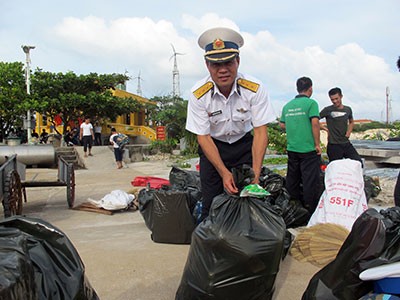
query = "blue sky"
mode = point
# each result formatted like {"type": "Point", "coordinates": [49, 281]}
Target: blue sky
{"type": "Point", "coordinates": [350, 44]}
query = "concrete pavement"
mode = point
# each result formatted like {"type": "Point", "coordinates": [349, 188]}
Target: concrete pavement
{"type": "Point", "coordinates": [122, 262]}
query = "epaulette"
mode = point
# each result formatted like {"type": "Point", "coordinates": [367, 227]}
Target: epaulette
{"type": "Point", "coordinates": [247, 84]}
{"type": "Point", "coordinates": [201, 91]}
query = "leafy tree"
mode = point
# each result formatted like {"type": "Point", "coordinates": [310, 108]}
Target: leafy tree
{"type": "Point", "coordinates": [71, 96]}
{"type": "Point", "coordinates": [170, 112]}
{"type": "Point", "coordinates": [14, 100]}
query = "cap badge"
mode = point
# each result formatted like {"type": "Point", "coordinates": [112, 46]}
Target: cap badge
{"type": "Point", "coordinates": [218, 44]}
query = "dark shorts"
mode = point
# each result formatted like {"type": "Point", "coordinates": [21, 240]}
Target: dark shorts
{"type": "Point", "coordinates": [118, 154]}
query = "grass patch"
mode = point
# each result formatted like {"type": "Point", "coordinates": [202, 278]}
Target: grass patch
{"type": "Point", "coordinates": [275, 160]}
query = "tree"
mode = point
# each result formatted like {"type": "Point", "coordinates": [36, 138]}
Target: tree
{"type": "Point", "coordinates": [14, 101]}
{"type": "Point", "coordinates": [71, 97]}
{"type": "Point", "coordinates": [170, 112]}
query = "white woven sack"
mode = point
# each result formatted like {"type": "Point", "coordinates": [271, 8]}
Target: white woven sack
{"type": "Point", "coordinates": [343, 200]}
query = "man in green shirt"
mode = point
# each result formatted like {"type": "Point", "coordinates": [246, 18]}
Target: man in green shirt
{"type": "Point", "coordinates": [300, 119]}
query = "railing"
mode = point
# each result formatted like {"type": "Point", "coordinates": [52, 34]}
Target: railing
{"type": "Point", "coordinates": [135, 130]}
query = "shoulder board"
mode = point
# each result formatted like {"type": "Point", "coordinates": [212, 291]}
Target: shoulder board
{"type": "Point", "coordinates": [247, 84]}
{"type": "Point", "coordinates": [201, 91]}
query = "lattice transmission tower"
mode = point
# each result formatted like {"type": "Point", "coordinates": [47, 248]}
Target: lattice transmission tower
{"type": "Point", "coordinates": [175, 74]}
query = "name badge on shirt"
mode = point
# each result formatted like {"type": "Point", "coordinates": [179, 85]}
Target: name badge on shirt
{"type": "Point", "coordinates": [215, 113]}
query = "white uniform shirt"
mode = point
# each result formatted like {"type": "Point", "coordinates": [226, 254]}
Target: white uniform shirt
{"type": "Point", "coordinates": [86, 129]}
{"type": "Point", "coordinates": [228, 119]}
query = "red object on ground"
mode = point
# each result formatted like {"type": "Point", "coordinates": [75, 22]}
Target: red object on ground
{"type": "Point", "coordinates": [155, 182]}
{"type": "Point", "coordinates": [198, 167]}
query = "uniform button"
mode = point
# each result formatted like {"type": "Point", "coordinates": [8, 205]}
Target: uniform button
{"type": "Point", "coordinates": [228, 133]}
{"type": "Point", "coordinates": [229, 120]}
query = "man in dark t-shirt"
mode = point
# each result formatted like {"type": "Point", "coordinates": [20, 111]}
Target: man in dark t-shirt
{"type": "Point", "coordinates": [340, 123]}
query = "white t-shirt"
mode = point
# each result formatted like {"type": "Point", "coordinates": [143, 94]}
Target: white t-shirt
{"type": "Point", "coordinates": [86, 129]}
{"type": "Point", "coordinates": [112, 140]}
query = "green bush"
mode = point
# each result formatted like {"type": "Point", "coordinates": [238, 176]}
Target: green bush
{"type": "Point", "coordinates": [163, 146]}
{"type": "Point", "coordinates": [372, 125]}
{"type": "Point", "coordinates": [276, 139]}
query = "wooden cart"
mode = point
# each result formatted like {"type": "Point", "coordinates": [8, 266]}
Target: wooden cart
{"type": "Point", "coordinates": [13, 184]}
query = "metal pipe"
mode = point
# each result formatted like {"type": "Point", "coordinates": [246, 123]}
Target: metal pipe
{"type": "Point", "coordinates": [30, 154]}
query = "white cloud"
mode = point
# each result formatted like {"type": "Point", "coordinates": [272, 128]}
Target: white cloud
{"type": "Point", "coordinates": [334, 53]}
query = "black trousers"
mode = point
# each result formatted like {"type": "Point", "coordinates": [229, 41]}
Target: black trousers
{"type": "Point", "coordinates": [233, 155]}
{"type": "Point", "coordinates": [97, 138]}
{"type": "Point", "coordinates": [303, 178]}
{"type": "Point", "coordinates": [87, 141]}
{"type": "Point", "coordinates": [340, 151]}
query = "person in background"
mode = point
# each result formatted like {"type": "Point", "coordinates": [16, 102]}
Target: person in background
{"type": "Point", "coordinates": [97, 134]}
{"type": "Point", "coordinates": [34, 134]}
{"type": "Point", "coordinates": [223, 109]}
{"type": "Point", "coordinates": [86, 135]}
{"type": "Point", "coordinates": [300, 119]}
{"type": "Point", "coordinates": [44, 136]}
{"type": "Point", "coordinates": [117, 150]}
{"type": "Point", "coordinates": [340, 123]}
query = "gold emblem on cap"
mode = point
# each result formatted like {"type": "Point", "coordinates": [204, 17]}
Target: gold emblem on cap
{"type": "Point", "coordinates": [218, 44]}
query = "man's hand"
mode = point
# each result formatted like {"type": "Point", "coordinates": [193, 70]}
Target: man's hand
{"type": "Point", "coordinates": [229, 183]}
{"type": "Point", "coordinates": [318, 149]}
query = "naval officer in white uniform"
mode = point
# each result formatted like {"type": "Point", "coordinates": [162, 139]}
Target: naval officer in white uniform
{"type": "Point", "coordinates": [229, 113]}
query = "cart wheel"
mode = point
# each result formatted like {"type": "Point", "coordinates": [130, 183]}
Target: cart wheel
{"type": "Point", "coordinates": [71, 186]}
{"type": "Point", "coordinates": [12, 200]}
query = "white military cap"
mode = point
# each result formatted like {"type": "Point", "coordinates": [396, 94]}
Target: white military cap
{"type": "Point", "coordinates": [221, 44]}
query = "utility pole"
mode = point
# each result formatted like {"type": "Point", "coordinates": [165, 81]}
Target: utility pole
{"type": "Point", "coordinates": [26, 50]}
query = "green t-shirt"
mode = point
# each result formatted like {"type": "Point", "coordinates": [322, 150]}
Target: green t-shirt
{"type": "Point", "coordinates": [297, 115]}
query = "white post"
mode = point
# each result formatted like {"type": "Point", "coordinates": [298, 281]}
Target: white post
{"type": "Point", "coordinates": [26, 50]}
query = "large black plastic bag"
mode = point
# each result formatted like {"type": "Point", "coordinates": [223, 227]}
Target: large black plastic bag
{"type": "Point", "coordinates": [181, 179]}
{"type": "Point", "coordinates": [373, 241]}
{"type": "Point", "coordinates": [59, 271]}
{"type": "Point", "coordinates": [17, 277]}
{"type": "Point", "coordinates": [292, 211]}
{"type": "Point", "coordinates": [235, 252]}
{"type": "Point", "coordinates": [189, 181]}
{"type": "Point", "coordinates": [167, 215]}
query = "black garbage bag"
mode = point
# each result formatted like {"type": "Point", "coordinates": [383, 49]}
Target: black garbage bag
{"type": "Point", "coordinates": [17, 277]}
{"type": "Point", "coordinates": [235, 252]}
{"type": "Point", "coordinates": [189, 181]}
{"type": "Point", "coordinates": [272, 182]}
{"type": "Point", "coordinates": [373, 241]}
{"type": "Point", "coordinates": [292, 211]}
{"type": "Point", "coordinates": [243, 176]}
{"type": "Point", "coordinates": [166, 213]}
{"type": "Point", "coordinates": [371, 188]}
{"type": "Point", "coordinates": [182, 179]}
{"type": "Point", "coordinates": [58, 268]}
